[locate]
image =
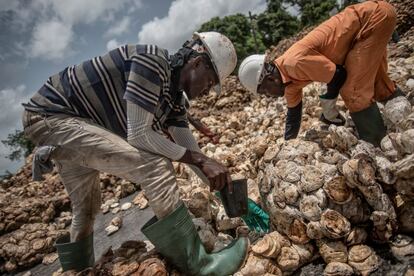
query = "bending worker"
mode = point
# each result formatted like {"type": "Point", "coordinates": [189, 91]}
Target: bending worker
{"type": "Point", "coordinates": [349, 53]}
{"type": "Point", "coordinates": [109, 114]}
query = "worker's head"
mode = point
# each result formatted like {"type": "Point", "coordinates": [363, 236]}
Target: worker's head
{"type": "Point", "coordinates": [212, 58]}
{"type": "Point", "coordinates": [259, 76]}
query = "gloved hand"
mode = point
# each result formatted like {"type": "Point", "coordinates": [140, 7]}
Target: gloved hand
{"type": "Point", "coordinates": [336, 83]}
{"type": "Point", "coordinates": [256, 219]}
{"type": "Point", "coordinates": [330, 114]}
{"type": "Point", "coordinates": [293, 121]}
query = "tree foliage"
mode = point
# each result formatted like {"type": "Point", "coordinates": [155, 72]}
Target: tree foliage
{"type": "Point", "coordinates": [274, 5]}
{"type": "Point", "coordinates": [238, 29]}
{"type": "Point", "coordinates": [20, 146]}
{"type": "Point", "coordinates": [270, 27]}
{"type": "Point", "coordinates": [276, 23]}
{"type": "Point", "coordinates": [346, 3]}
{"type": "Point", "coordinates": [313, 12]}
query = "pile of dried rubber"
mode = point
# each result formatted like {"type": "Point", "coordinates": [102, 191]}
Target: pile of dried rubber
{"type": "Point", "coordinates": [330, 196]}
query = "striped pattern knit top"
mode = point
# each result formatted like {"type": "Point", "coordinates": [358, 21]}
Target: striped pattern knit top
{"type": "Point", "coordinates": [98, 89]}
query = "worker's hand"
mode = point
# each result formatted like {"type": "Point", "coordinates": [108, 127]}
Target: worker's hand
{"type": "Point", "coordinates": [206, 131]}
{"type": "Point", "coordinates": [214, 138]}
{"type": "Point", "coordinates": [217, 174]}
{"type": "Point", "coordinates": [203, 129]}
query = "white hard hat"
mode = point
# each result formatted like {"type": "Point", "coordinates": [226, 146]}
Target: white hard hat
{"type": "Point", "coordinates": [250, 70]}
{"type": "Point", "coordinates": [221, 52]}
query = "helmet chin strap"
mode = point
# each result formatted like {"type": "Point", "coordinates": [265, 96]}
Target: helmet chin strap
{"type": "Point", "coordinates": [190, 49]}
{"type": "Point", "coordinates": [177, 62]}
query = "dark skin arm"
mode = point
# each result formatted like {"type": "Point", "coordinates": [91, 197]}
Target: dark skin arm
{"type": "Point", "coordinates": [197, 78]}
{"type": "Point", "coordinates": [203, 129]}
{"type": "Point", "coordinates": [217, 174]}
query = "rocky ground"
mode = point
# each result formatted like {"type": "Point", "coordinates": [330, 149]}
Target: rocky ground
{"type": "Point", "coordinates": [337, 205]}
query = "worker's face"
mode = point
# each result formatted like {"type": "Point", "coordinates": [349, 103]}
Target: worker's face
{"type": "Point", "coordinates": [198, 77]}
{"type": "Point", "coordinates": [271, 86]}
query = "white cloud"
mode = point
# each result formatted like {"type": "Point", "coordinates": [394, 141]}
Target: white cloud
{"type": "Point", "coordinates": [11, 99]}
{"type": "Point", "coordinates": [27, 13]}
{"type": "Point", "coordinates": [51, 40]}
{"type": "Point", "coordinates": [186, 16]}
{"type": "Point", "coordinates": [8, 5]}
{"type": "Point", "coordinates": [112, 44]}
{"type": "Point", "coordinates": [10, 120]}
{"type": "Point", "coordinates": [71, 12]}
{"type": "Point", "coordinates": [119, 28]}
{"type": "Point", "coordinates": [81, 11]}
{"type": "Point", "coordinates": [7, 164]}
{"type": "Point", "coordinates": [54, 21]}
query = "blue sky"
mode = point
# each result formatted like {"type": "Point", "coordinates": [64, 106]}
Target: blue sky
{"type": "Point", "coordinates": [39, 38]}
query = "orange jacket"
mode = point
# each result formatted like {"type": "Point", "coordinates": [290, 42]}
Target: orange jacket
{"type": "Point", "coordinates": [313, 58]}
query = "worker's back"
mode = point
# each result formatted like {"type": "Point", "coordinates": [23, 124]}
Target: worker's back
{"type": "Point", "coordinates": [335, 37]}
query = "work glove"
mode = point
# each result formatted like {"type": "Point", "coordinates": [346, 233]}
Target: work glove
{"type": "Point", "coordinates": [293, 120]}
{"type": "Point", "coordinates": [256, 219]}
{"type": "Point", "coordinates": [336, 83]}
{"type": "Point", "coordinates": [330, 114]}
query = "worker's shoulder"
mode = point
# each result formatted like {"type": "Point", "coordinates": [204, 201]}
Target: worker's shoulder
{"type": "Point", "coordinates": [150, 51]}
{"type": "Point", "coordinates": [290, 56]}
{"type": "Point", "coordinates": [293, 55]}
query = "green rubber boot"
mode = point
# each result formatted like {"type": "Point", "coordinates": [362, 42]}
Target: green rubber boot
{"type": "Point", "coordinates": [176, 238]}
{"type": "Point", "coordinates": [75, 255]}
{"type": "Point", "coordinates": [397, 93]}
{"type": "Point", "coordinates": [369, 124]}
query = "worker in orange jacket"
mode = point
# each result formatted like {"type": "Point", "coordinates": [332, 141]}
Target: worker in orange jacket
{"type": "Point", "coordinates": [349, 53]}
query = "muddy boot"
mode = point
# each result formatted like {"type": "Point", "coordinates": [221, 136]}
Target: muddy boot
{"type": "Point", "coordinates": [369, 124]}
{"type": "Point", "coordinates": [75, 255]}
{"type": "Point", "coordinates": [176, 238]}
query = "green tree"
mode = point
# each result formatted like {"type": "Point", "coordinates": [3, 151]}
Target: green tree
{"type": "Point", "coordinates": [276, 23]}
{"type": "Point", "coordinates": [313, 11]}
{"type": "Point", "coordinates": [239, 30]}
{"type": "Point", "coordinates": [346, 3]}
{"type": "Point", "coordinates": [271, 26]}
{"type": "Point", "coordinates": [274, 5]}
{"type": "Point", "coordinates": [20, 146]}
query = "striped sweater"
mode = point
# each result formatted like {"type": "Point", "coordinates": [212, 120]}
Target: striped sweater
{"type": "Point", "coordinates": [98, 89]}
